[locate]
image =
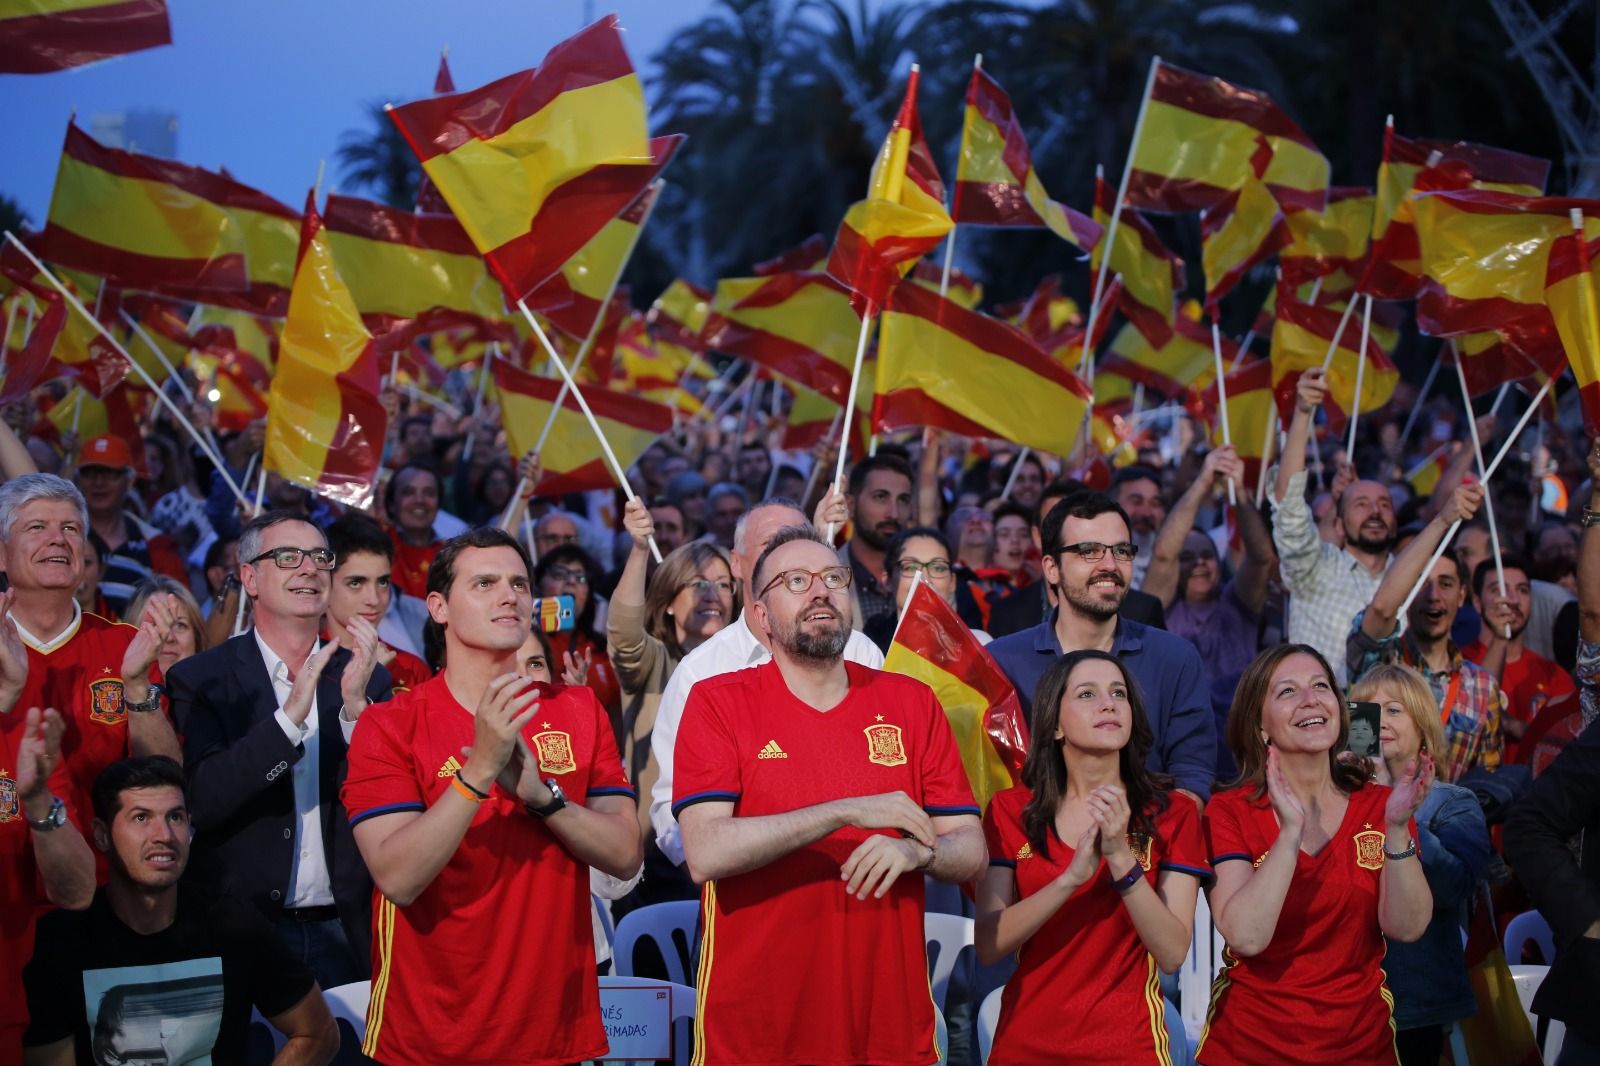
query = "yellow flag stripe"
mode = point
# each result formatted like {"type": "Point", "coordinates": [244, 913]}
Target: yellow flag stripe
{"type": "Point", "coordinates": [389, 278]}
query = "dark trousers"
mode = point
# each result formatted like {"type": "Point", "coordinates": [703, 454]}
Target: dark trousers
{"type": "Point", "coordinates": [324, 948]}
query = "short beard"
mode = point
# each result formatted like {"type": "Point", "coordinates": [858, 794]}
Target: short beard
{"type": "Point", "coordinates": [873, 539]}
{"type": "Point", "coordinates": [1084, 601]}
{"type": "Point", "coordinates": [1368, 544]}
{"type": "Point", "coordinates": [812, 646]}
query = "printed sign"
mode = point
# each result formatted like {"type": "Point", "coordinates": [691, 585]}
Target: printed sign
{"type": "Point", "coordinates": [638, 1021]}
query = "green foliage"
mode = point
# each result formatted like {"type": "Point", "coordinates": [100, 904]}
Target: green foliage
{"type": "Point", "coordinates": [377, 161]}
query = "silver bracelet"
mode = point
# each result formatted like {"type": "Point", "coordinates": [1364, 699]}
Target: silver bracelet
{"type": "Point", "coordinates": [1411, 849]}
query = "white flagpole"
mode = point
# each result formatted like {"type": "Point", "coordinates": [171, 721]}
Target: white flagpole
{"type": "Point", "coordinates": [477, 403]}
{"type": "Point", "coordinates": [255, 512]}
{"type": "Point", "coordinates": [867, 319]}
{"type": "Point", "coordinates": [1361, 366]}
{"type": "Point", "coordinates": [161, 357]}
{"type": "Point", "coordinates": [1477, 450]}
{"type": "Point", "coordinates": [1016, 468]}
{"type": "Point", "coordinates": [1266, 452]}
{"type": "Point", "coordinates": [1222, 402]}
{"type": "Point", "coordinates": [1416, 408]}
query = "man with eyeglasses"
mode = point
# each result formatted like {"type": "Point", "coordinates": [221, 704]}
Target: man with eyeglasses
{"type": "Point", "coordinates": [1087, 555]}
{"type": "Point", "coordinates": [813, 796]}
{"type": "Point", "coordinates": [266, 720]}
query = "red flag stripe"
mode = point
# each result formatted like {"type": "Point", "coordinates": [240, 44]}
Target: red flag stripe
{"type": "Point", "coordinates": [202, 183]}
{"type": "Point", "coordinates": [39, 44]}
{"type": "Point", "coordinates": [1215, 98]}
{"type": "Point", "coordinates": [380, 222]}
{"type": "Point", "coordinates": [985, 333]}
{"type": "Point", "coordinates": [605, 403]}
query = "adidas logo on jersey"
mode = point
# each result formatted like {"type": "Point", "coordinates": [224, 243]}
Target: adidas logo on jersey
{"type": "Point", "coordinates": [772, 751]}
{"type": "Point", "coordinates": [451, 766]}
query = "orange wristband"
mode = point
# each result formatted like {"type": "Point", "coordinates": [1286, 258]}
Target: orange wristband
{"type": "Point", "coordinates": [466, 789]}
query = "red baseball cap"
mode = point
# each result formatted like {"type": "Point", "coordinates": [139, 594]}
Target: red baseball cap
{"type": "Point", "coordinates": [106, 451]}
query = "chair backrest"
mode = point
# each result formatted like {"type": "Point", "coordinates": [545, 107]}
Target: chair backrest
{"type": "Point", "coordinates": [988, 1018]}
{"type": "Point", "coordinates": [1549, 1033]}
{"type": "Point", "coordinates": [683, 1010]}
{"type": "Point", "coordinates": [1525, 927]}
{"type": "Point", "coordinates": [670, 926]}
{"type": "Point", "coordinates": [1177, 1039]}
{"type": "Point", "coordinates": [947, 935]}
{"type": "Point", "coordinates": [1199, 970]}
{"type": "Point", "coordinates": [347, 1003]}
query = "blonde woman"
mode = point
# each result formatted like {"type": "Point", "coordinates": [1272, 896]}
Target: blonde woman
{"type": "Point", "coordinates": [1428, 977]}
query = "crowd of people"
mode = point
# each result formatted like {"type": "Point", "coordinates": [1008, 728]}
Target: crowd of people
{"type": "Point", "coordinates": [253, 751]}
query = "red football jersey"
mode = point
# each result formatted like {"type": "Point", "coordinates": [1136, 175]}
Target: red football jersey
{"type": "Point", "coordinates": [793, 968]}
{"type": "Point", "coordinates": [1086, 990]}
{"type": "Point", "coordinates": [411, 565]}
{"type": "Point", "coordinates": [494, 961]}
{"type": "Point", "coordinates": [1529, 683]}
{"type": "Point", "coordinates": [1317, 993]}
{"type": "Point", "coordinates": [406, 671]}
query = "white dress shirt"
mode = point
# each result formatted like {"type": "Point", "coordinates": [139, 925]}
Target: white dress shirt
{"type": "Point", "coordinates": [733, 648]}
{"type": "Point", "coordinates": [310, 885]}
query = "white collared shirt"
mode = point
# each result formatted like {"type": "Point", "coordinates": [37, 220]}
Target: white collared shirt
{"type": "Point", "coordinates": [46, 645]}
{"type": "Point", "coordinates": [732, 648]}
{"type": "Point", "coordinates": [310, 884]}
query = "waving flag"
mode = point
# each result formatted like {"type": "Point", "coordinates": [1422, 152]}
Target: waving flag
{"type": "Point", "coordinates": [535, 164]}
{"type": "Point", "coordinates": [934, 646]}
{"type": "Point", "coordinates": [1574, 297]}
{"type": "Point", "coordinates": [1204, 138]}
{"type": "Point", "coordinates": [942, 365]}
{"type": "Point", "coordinates": [1184, 364]}
{"type": "Point", "coordinates": [1490, 360]}
{"type": "Point", "coordinates": [1300, 340]}
{"type": "Point", "coordinates": [429, 202]}
{"type": "Point", "coordinates": [40, 36]}
{"type": "Point", "coordinates": [34, 317]}
{"type": "Point", "coordinates": [325, 429]}
{"type": "Point", "coordinates": [1252, 416]}
{"type": "Point", "coordinates": [963, 289]}
{"type": "Point", "coordinates": [1330, 242]}
{"type": "Point", "coordinates": [1152, 276]}
{"type": "Point", "coordinates": [1424, 477]}
{"type": "Point", "coordinates": [996, 183]}
{"type": "Point", "coordinates": [1241, 231]}
{"type": "Point", "coordinates": [903, 216]}
{"type": "Point", "coordinates": [801, 325]}
{"type": "Point", "coordinates": [811, 416]}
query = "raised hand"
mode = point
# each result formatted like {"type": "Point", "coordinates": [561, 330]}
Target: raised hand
{"type": "Point", "coordinates": [1311, 390]}
{"type": "Point", "coordinates": [1463, 503]}
{"type": "Point", "coordinates": [529, 471]}
{"type": "Point", "coordinates": [364, 645]}
{"type": "Point", "coordinates": [1223, 462]}
{"type": "Point", "coordinates": [1409, 790]}
{"type": "Point", "coordinates": [892, 810]}
{"type": "Point", "coordinates": [37, 755]}
{"type": "Point", "coordinates": [1290, 811]}
{"type": "Point", "coordinates": [155, 625]}
{"type": "Point", "coordinates": [575, 671]}
{"type": "Point", "coordinates": [637, 521]}
{"type": "Point", "coordinates": [297, 708]}
{"type": "Point", "coordinates": [831, 510]}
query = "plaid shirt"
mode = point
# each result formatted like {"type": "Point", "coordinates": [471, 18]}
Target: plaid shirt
{"type": "Point", "coordinates": [1472, 731]}
{"type": "Point", "coordinates": [1327, 585]}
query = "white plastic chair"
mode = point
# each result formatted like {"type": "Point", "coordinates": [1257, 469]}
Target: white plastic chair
{"type": "Point", "coordinates": [683, 1010]}
{"type": "Point", "coordinates": [1199, 971]}
{"type": "Point", "coordinates": [1525, 927]}
{"type": "Point", "coordinates": [988, 1019]}
{"type": "Point", "coordinates": [1549, 1033]}
{"type": "Point", "coordinates": [665, 924]}
{"type": "Point", "coordinates": [947, 935]}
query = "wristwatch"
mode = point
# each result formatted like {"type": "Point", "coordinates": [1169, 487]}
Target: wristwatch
{"type": "Point", "coordinates": [55, 819]}
{"type": "Point", "coordinates": [1590, 518]}
{"type": "Point", "coordinates": [558, 800]}
{"type": "Point", "coordinates": [151, 702]}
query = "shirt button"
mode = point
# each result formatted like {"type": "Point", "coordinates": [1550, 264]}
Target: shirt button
{"type": "Point", "coordinates": [288, 834]}
{"type": "Point", "coordinates": [276, 895]}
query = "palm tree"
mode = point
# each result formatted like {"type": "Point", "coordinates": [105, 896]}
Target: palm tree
{"type": "Point", "coordinates": [12, 216]}
{"type": "Point", "coordinates": [377, 160]}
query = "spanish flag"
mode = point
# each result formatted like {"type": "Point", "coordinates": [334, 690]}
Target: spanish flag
{"type": "Point", "coordinates": [801, 325]}
{"type": "Point", "coordinates": [254, 335]}
{"type": "Point", "coordinates": [903, 216]}
{"type": "Point", "coordinates": [241, 385]}
{"type": "Point", "coordinates": [1329, 242]}
{"type": "Point", "coordinates": [1246, 227]}
{"type": "Point", "coordinates": [114, 414]}
{"type": "Point", "coordinates": [811, 415]}
{"type": "Point", "coordinates": [810, 255]}
{"type": "Point", "coordinates": [1489, 360]}
{"type": "Point", "coordinates": [325, 429]}
{"type": "Point", "coordinates": [535, 164]}
{"type": "Point", "coordinates": [1300, 339]}
{"type": "Point", "coordinates": [40, 36]}
{"type": "Point", "coordinates": [1176, 369]}
{"type": "Point", "coordinates": [400, 264]}
{"type": "Point", "coordinates": [648, 367]}
{"type": "Point", "coordinates": [942, 365]}
{"type": "Point", "coordinates": [1573, 293]}
{"type": "Point", "coordinates": [996, 183]}
{"type": "Point", "coordinates": [1252, 417]}
{"type": "Point", "coordinates": [429, 202]}
{"type": "Point", "coordinates": [1152, 276]}
{"type": "Point", "coordinates": [80, 349]}
{"type": "Point", "coordinates": [1424, 477]}
{"type": "Point", "coordinates": [1045, 313]}
{"type": "Point", "coordinates": [34, 318]}
{"type": "Point", "coordinates": [935, 646]}
{"type": "Point", "coordinates": [1204, 137]}
{"type": "Point", "coordinates": [963, 289]}
{"type": "Point", "coordinates": [572, 458]}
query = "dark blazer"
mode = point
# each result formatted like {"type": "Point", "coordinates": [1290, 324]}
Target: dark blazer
{"type": "Point", "coordinates": [1026, 609]}
{"type": "Point", "coordinates": [241, 793]}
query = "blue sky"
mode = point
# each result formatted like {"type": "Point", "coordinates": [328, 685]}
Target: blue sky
{"type": "Point", "coordinates": [268, 95]}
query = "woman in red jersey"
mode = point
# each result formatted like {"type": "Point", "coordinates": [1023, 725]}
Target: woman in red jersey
{"type": "Point", "coordinates": [1315, 865]}
{"type": "Point", "coordinates": [1094, 923]}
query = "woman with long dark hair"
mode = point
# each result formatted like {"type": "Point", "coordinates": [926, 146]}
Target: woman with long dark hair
{"type": "Point", "coordinates": [568, 570]}
{"type": "Point", "coordinates": [1094, 923]}
{"type": "Point", "coordinates": [1315, 865]}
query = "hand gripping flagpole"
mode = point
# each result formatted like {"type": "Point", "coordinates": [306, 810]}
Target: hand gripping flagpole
{"type": "Point", "coordinates": [1222, 402]}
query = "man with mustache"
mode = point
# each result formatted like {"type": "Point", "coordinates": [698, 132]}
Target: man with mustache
{"type": "Point", "coordinates": [1087, 553]}
{"type": "Point", "coordinates": [1328, 586]}
{"type": "Point", "coordinates": [1528, 679]}
{"type": "Point", "coordinates": [878, 495]}
{"type": "Point", "coordinates": [813, 795]}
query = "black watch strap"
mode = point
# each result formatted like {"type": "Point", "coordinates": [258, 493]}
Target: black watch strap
{"type": "Point", "coordinates": [558, 801]}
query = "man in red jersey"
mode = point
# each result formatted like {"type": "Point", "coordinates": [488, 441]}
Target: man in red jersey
{"type": "Point", "coordinates": [95, 672]}
{"type": "Point", "coordinates": [480, 800]}
{"type": "Point", "coordinates": [361, 586]}
{"type": "Point", "coordinates": [805, 789]}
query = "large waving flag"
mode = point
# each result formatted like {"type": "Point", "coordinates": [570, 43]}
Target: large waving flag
{"type": "Point", "coordinates": [325, 429]}
{"type": "Point", "coordinates": [903, 216]}
{"type": "Point", "coordinates": [1574, 297]}
{"type": "Point", "coordinates": [39, 36]}
{"type": "Point", "coordinates": [1152, 275]}
{"type": "Point", "coordinates": [535, 164]}
{"type": "Point", "coordinates": [1490, 360]}
{"type": "Point", "coordinates": [429, 202]}
{"type": "Point", "coordinates": [996, 183]}
{"type": "Point", "coordinates": [942, 365]}
{"type": "Point", "coordinates": [1330, 243]}
{"type": "Point", "coordinates": [1178, 368]}
{"type": "Point", "coordinates": [934, 646]}
{"type": "Point", "coordinates": [1204, 138]}
{"type": "Point", "coordinates": [801, 325]}
{"type": "Point", "coordinates": [34, 318]}
{"type": "Point", "coordinates": [1241, 231]}
{"type": "Point", "coordinates": [79, 350]}
{"type": "Point", "coordinates": [1300, 339]}
{"type": "Point", "coordinates": [571, 457]}
{"type": "Point", "coordinates": [1252, 417]}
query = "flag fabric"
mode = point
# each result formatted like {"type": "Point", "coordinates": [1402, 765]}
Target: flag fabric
{"type": "Point", "coordinates": [649, 367]}
{"type": "Point", "coordinates": [809, 255]}
{"type": "Point", "coordinates": [399, 265]}
{"type": "Point", "coordinates": [1490, 360]}
{"type": "Point", "coordinates": [942, 365]}
{"type": "Point", "coordinates": [903, 216]}
{"type": "Point", "coordinates": [241, 384]}
{"type": "Point", "coordinates": [325, 429]}
{"type": "Point", "coordinates": [1243, 229]}
{"type": "Point", "coordinates": [811, 415]}
{"type": "Point", "coordinates": [996, 183]}
{"type": "Point", "coordinates": [80, 350]}
{"type": "Point", "coordinates": [1184, 365]}
{"type": "Point", "coordinates": [801, 325]}
{"type": "Point", "coordinates": [1498, 1032]}
{"type": "Point", "coordinates": [1300, 339]}
{"type": "Point", "coordinates": [90, 416]}
{"type": "Point", "coordinates": [933, 645]}
{"type": "Point", "coordinates": [255, 335]}
{"type": "Point", "coordinates": [1152, 275]}
{"type": "Point", "coordinates": [963, 289]}
{"type": "Point", "coordinates": [34, 318]}
{"type": "Point", "coordinates": [1252, 409]}
{"type": "Point", "coordinates": [1204, 137]}
{"type": "Point", "coordinates": [40, 36]}
{"type": "Point", "coordinates": [428, 199]}
{"type": "Point", "coordinates": [572, 459]}
{"type": "Point", "coordinates": [1573, 293]}
{"type": "Point", "coordinates": [1326, 243]}
{"type": "Point", "coordinates": [1424, 477]}
{"type": "Point", "coordinates": [535, 164]}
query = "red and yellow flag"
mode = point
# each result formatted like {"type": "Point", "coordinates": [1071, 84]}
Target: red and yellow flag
{"type": "Point", "coordinates": [1573, 293]}
{"type": "Point", "coordinates": [1326, 243]}
{"type": "Point", "coordinates": [34, 317]}
{"type": "Point", "coordinates": [1490, 360]}
{"type": "Point", "coordinates": [812, 415]}
{"type": "Point", "coordinates": [1176, 369]}
{"type": "Point", "coordinates": [1152, 276]}
{"type": "Point", "coordinates": [40, 36]}
{"type": "Point", "coordinates": [903, 216]}
{"type": "Point", "coordinates": [1204, 137]}
{"type": "Point", "coordinates": [810, 256]}
{"type": "Point", "coordinates": [535, 164]}
{"type": "Point", "coordinates": [1243, 229]}
{"type": "Point", "coordinates": [934, 646]}
{"type": "Point", "coordinates": [963, 289]}
{"type": "Point", "coordinates": [325, 427]}
{"type": "Point", "coordinates": [1424, 477]}
{"type": "Point", "coordinates": [1252, 417]}
{"type": "Point", "coordinates": [117, 414]}
{"type": "Point", "coordinates": [801, 325]}
{"type": "Point", "coordinates": [996, 183]}
{"type": "Point", "coordinates": [942, 365]}
{"type": "Point", "coordinates": [572, 458]}
{"type": "Point", "coordinates": [1300, 339]}
{"type": "Point", "coordinates": [429, 202]}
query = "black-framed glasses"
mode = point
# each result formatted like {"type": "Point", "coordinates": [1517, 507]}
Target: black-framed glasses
{"type": "Point", "coordinates": [799, 581]}
{"type": "Point", "coordinates": [291, 558]}
{"type": "Point", "coordinates": [934, 568]}
{"type": "Point", "coordinates": [1092, 551]}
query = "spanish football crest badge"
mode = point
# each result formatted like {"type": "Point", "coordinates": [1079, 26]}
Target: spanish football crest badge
{"type": "Point", "coordinates": [10, 805]}
{"type": "Point", "coordinates": [554, 749]}
{"type": "Point", "coordinates": [1139, 844]}
{"type": "Point", "coordinates": [884, 746]}
{"type": "Point", "coordinates": [105, 701]}
{"type": "Point", "coordinates": [1025, 852]}
{"type": "Point", "coordinates": [1369, 848]}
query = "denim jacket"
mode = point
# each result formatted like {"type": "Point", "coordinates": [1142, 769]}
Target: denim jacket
{"type": "Point", "coordinates": [1429, 977]}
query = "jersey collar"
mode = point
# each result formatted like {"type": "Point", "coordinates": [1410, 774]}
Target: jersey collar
{"type": "Point", "coordinates": [44, 646]}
